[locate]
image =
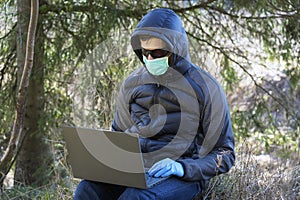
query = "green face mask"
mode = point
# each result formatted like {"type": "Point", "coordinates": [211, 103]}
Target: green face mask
{"type": "Point", "coordinates": [158, 66]}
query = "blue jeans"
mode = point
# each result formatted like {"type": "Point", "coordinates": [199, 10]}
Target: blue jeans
{"type": "Point", "coordinates": [171, 188]}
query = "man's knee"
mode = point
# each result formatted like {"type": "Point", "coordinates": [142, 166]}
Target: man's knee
{"type": "Point", "coordinates": [82, 190]}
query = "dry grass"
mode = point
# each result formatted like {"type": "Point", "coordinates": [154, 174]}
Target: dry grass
{"type": "Point", "coordinates": [258, 177]}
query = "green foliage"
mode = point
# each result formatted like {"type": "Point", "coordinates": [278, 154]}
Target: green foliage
{"type": "Point", "coordinates": [262, 118]}
{"type": "Point", "coordinates": [97, 83]}
{"type": "Point", "coordinates": [294, 75]}
{"type": "Point", "coordinates": [229, 75]}
{"type": "Point", "coordinates": [72, 31]}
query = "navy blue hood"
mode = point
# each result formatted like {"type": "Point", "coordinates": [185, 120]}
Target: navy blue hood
{"type": "Point", "coordinates": [164, 24]}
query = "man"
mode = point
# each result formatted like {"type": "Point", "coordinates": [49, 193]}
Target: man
{"type": "Point", "coordinates": [179, 111]}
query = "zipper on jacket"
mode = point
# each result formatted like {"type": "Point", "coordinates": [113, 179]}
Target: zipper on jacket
{"type": "Point", "coordinates": [155, 95]}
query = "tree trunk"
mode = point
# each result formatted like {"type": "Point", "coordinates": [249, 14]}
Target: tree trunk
{"type": "Point", "coordinates": [33, 164]}
{"type": "Point", "coordinates": [26, 169]}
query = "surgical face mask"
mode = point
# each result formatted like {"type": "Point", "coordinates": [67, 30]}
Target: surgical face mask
{"type": "Point", "coordinates": [158, 66]}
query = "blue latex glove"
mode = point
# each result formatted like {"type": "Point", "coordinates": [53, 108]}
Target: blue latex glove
{"type": "Point", "coordinates": [166, 167]}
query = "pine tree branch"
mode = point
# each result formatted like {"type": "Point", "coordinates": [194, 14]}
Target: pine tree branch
{"type": "Point", "coordinates": [221, 50]}
{"type": "Point", "coordinates": [209, 6]}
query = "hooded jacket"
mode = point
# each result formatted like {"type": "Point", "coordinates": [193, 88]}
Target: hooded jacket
{"type": "Point", "coordinates": [182, 114]}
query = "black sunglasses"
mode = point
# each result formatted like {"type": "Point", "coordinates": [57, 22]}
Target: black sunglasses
{"type": "Point", "coordinates": [156, 53]}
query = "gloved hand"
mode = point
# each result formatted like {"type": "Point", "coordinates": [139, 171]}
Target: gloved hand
{"type": "Point", "coordinates": [166, 167]}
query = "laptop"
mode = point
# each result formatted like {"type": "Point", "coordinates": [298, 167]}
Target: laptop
{"type": "Point", "coordinates": [107, 156]}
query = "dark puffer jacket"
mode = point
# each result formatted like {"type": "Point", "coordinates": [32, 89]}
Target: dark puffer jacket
{"type": "Point", "coordinates": [182, 114]}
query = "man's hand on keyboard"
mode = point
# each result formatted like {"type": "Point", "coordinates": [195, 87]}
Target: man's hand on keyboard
{"type": "Point", "coordinates": [166, 167]}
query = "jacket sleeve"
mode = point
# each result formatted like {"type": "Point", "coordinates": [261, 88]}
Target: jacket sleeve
{"type": "Point", "coordinates": [122, 119]}
{"type": "Point", "coordinates": [217, 161]}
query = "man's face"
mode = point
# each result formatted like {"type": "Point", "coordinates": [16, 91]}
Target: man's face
{"type": "Point", "coordinates": [154, 44]}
